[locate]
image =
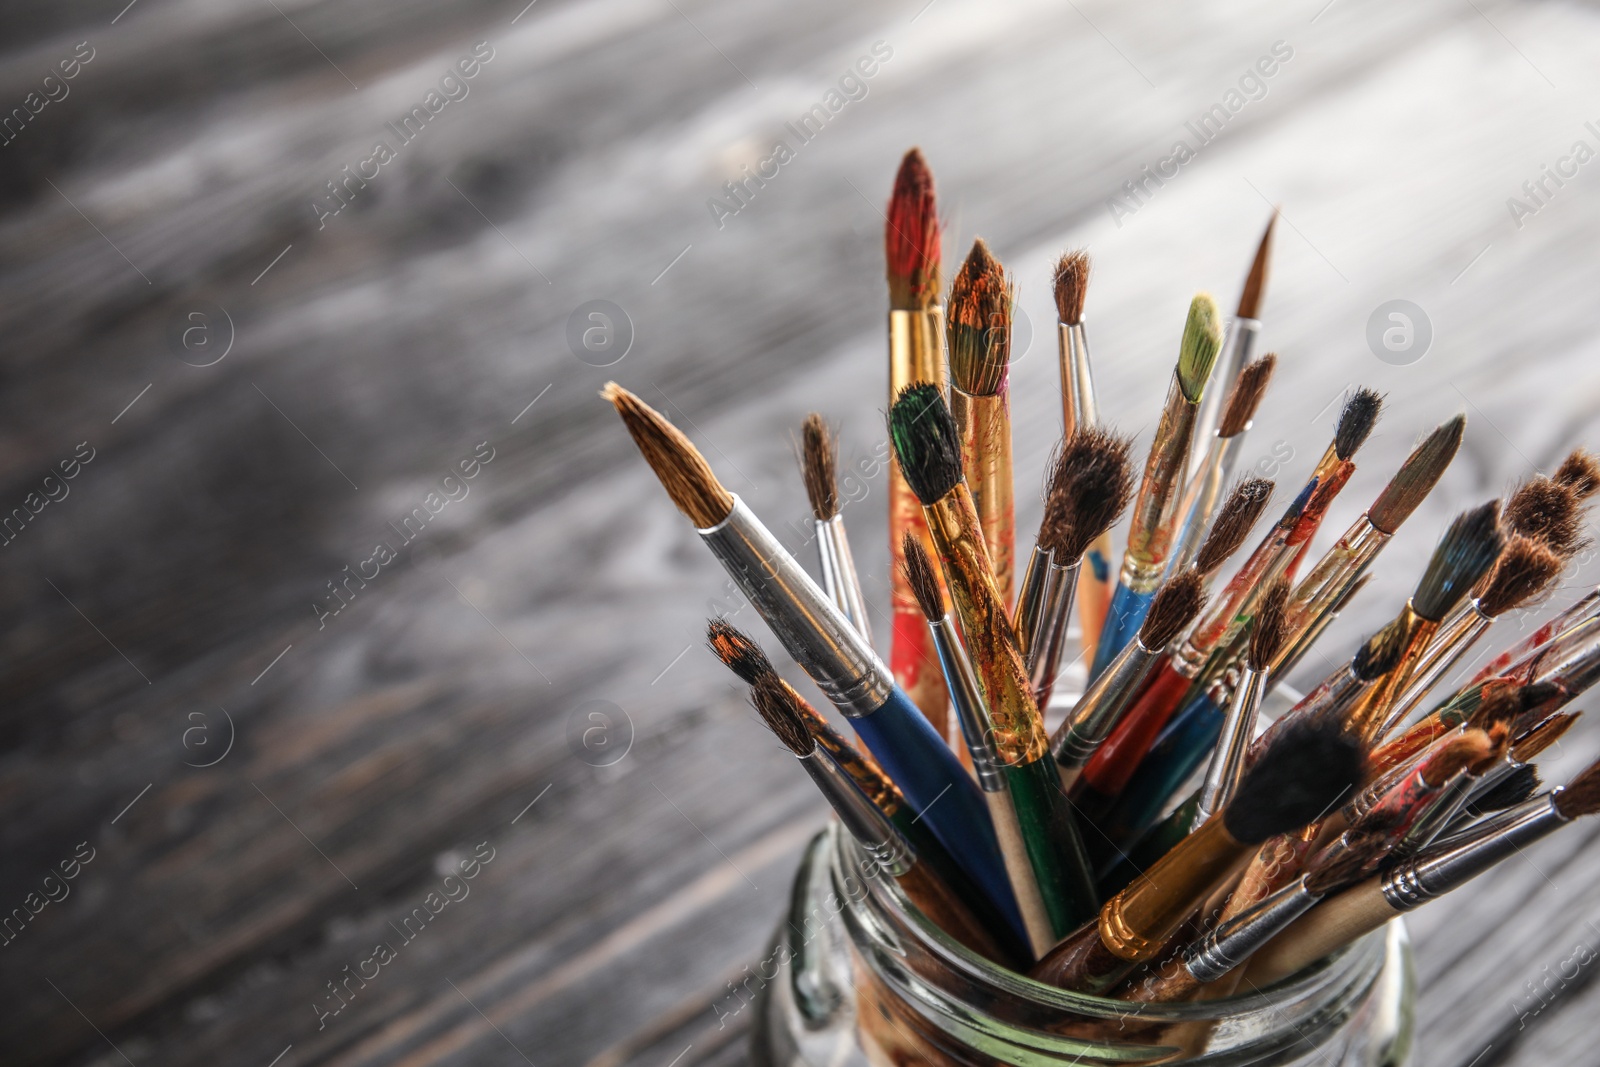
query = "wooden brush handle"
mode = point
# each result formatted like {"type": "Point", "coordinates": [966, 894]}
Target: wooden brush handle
{"type": "Point", "coordinates": [1332, 924]}
{"type": "Point", "coordinates": [940, 904]}
{"type": "Point", "coordinates": [1082, 964]}
{"type": "Point", "coordinates": [1019, 871]}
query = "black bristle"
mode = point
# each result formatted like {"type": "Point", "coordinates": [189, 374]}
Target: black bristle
{"type": "Point", "coordinates": [1307, 771]}
{"type": "Point", "coordinates": [775, 703]}
{"type": "Point", "coordinates": [1513, 789]}
{"type": "Point", "coordinates": [1465, 552]}
{"type": "Point", "coordinates": [1356, 421]}
{"type": "Point", "coordinates": [925, 441]}
{"type": "Point", "coordinates": [1380, 653]}
{"type": "Point", "coordinates": [741, 655]}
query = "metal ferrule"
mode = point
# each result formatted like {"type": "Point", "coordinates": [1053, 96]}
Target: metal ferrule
{"type": "Point", "coordinates": [1368, 717]}
{"type": "Point", "coordinates": [1079, 409]}
{"type": "Point", "coordinates": [986, 459]}
{"type": "Point", "coordinates": [1238, 730]}
{"type": "Point", "coordinates": [1150, 534]}
{"type": "Point", "coordinates": [883, 843]}
{"type": "Point", "coordinates": [1234, 941]}
{"type": "Point", "coordinates": [1237, 349]}
{"type": "Point", "coordinates": [1438, 814]}
{"type": "Point", "coordinates": [1136, 923]}
{"type": "Point", "coordinates": [1060, 586]}
{"type": "Point", "coordinates": [1097, 711]}
{"type": "Point", "coordinates": [811, 629]}
{"type": "Point", "coordinates": [1335, 572]}
{"type": "Point", "coordinates": [1201, 496]}
{"type": "Point", "coordinates": [1031, 597]}
{"type": "Point", "coordinates": [1464, 857]}
{"type": "Point", "coordinates": [839, 578]}
{"type": "Point", "coordinates": [1456, 636]}
{"type": "Point", "coordinates": [968, 703]}
{"type": "Point", "coordinates": [1577, 622]}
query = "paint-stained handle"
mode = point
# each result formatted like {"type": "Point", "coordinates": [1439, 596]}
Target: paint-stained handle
{"type": "Point", "coordinates": [1123, 620]}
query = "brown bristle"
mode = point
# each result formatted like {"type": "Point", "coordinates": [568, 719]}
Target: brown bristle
{"type": "Point", "coordinates": [681, 469]}
{"type": "Point", "coordinates": [922, 577]}
{"type": "Point", "coordinates": [1233, 523]}
{"type": "Point", "coordinates": [979, 316]}
{"type": "Point", "coordinates": [1535, 741]}
{"type": "Point", "coordinates": [775, 703]}
{"type": "Point", "coordinates": [1521, 576]}
{"type": "Point", "coordinates": [1246, 394]}
{"type": "Point", "coordinates": [1417, 476]}
{"type": "Point", "coordinates": [1499, 741]}
{"type": "Point", "coordinates": [1580, 472]}
{"type": "Point", "coordinates": [819, 465]}
{"type": "Point", "coordinates": [1499, 701]}
{"type": "Point", "coordinates": [1581, 795]}
{"type": "Point", "coordinates": [1351, 857]}
{"type": "Point", "coordinates": [1255, 284]}
{"type": "Point", "coordinates": [1090, 486]}
{"type": "Point", "coordinates": [1538, 702]}
{"type": "Point", "coordinates": [1449, 756]}
{"type": "Point", "coordinates": [1072, 285]}
{"type": "Point", "coordinates": [737, 652]}
{"type": "Point", "coordinates": [1270, 626]}
{"type": "Point", "coordinates": [911, 237]}
{"type": "Point", "coordinates": [1175, 605]}
{"type": "Point", "coordinates": [1545, 509]}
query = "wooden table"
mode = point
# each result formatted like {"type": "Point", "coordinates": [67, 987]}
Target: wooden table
{"type": "Point", "coordinates": [268, 788]}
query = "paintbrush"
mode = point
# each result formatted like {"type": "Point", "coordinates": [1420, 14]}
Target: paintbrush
{"type": "Point", "coordinates": [1155, 506]}
{"type": "Point", "coordinates": [1545, 510]}
{"type": "Point", "coordinates": [1408, 885]}
{"type": "Point", "coordinates": [928, 448]}
{"type": "Point", "coordinates": [1238, 725]}
{"type": "Point", "coordinates": [888, 851]}
{"type": "Point", "coordinates": [1510, 776]}
{"type": "Point", "coordinates": [821, 640]}
{"type": "Point", "coordinates": [1307, 771]}
{"type": "Point", "coordinates": [1080, 411]}
{"type": "Point", "coordinates": [979, 345]}
{"type": "Point", "coordinates": [819, 467]}
{"type": "Point", "coordinates": [1090, 485]}
{"type": "Point", "coordinates": [916, 354]}
{"type": "Point", "coordinates": [1580, 472]}
{"type": "Point", "coordinates": [1236, 350]}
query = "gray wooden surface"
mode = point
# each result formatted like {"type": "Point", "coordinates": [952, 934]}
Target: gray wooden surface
{"type": "Point", "coordinates": [163, 609]}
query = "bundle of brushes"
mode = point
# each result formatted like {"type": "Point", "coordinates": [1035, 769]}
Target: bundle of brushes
{"type": "Point", "coordinates": [1158, 839]}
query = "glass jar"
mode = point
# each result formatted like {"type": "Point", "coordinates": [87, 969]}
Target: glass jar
{"type": "Point", "coordinates": [856, 976]}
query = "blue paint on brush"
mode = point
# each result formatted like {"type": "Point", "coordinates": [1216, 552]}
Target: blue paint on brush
{"type": "Point", "coordinates": [1123, 620]}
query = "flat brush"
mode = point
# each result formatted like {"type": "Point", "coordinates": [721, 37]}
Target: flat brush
{"type": "Point", "coordinates": [927, 446]}
{"type": "Point", "coordinates": [1238, 726]}
{"type": "Point", "coordinates": [1155, 506]}
{"type": "Point", "coordinates": [916, 354]}
{"type": "Point", "coordinates": [1435, 872]}
{"type": "Point", "coordinates": [819, 466]}
{"type": "Point", "coordinates": [821, 640]}
{"type": "Point", "coordinates": [1080, 411]}
{"type": "Point", "coordinates": [1097, 712]}
{"type": "Point", "coordinates": [1090, 484]}
{"type": "Point", "coordinates": [1305, 774]}
{"type": "Point", "coordinates": [1243, 332]}
{"type": "Point", "coordinates": [888, 851]}
{"type": "Point", "coordinates": [979, 346]}
{"type": "Point", "coordinates": [1203, 492]}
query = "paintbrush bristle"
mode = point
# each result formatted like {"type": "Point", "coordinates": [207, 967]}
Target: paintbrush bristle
{"type": "Point", "coordinates": [1508, 792]}
{"type": "Point", "coordinates": [1534, 743]}
{"type": "Point", "coordinates": [1465, 552]}
{"type": "Point", "coordinates": [819, 466]}
{"type": "Point", "coordinates": [1580, 472]}
{"type": "Point", "coordinates": [1351, 857]}
{"type": "Point", "coordinates": [775, 703]}
{"type": "Point", "coordinates": [1356, 420]}
{"type": "Point", "coordinates": [738, 652]}
{"type": "Point", "coordinates": [922, 577]}
{"type": "Point", "coordinates": [1245, 396]}
{"type": "Point", "coordinates": [1499, 744]}
{"type": "Point", "coordinates": [681, 469]}
{"type": "Point", "coordinates": [1417, 476]}
{"type": "Point", "coordinates": [1545, 509]}
{"type": "Point", "coordinates": [979, 330]}
{"type": "Point", "coordinates": [911, 237]}
{"type": "Point", "coordinates": [1270, 626]}
{"type": "Point", "coordinates": [926, 441]}
{"type": "Point", "coordinates": [1521, 576]}
{"type": "Point", "coordinates": [1255, 283]}
{"type": "Point", "coordinates": [1091, 483]}
{"type": "Point", "coordinates": [1310, 767]}
{"type": "Point", "coordinates": [1454, 753]}
{"type": "Point", "coordinates": [1233, 523]}
{"type": "Point", "coordinates": [1175, 605]}
{"type": "Point", "coordinates": [1582, 794]}
{"type": "Point", "coordinates": [1381, 652]}
{"type": "Point", "coordinates": [1202, 337]}
{"type": "Point", "coordinates": [1071, 286]}
{"type": "Point", "coordinates": [1500, 700]}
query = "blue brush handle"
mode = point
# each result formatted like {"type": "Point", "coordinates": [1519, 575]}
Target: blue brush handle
{"type": "Point", "coordinates": [940, 792]}
{"type": "Point", "coordinates": [1123, 620]}
{"type": "Point", "coordinates": [1181, 747]}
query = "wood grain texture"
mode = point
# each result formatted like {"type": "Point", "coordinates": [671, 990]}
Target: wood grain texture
{"type": "Point", "coordinates": [381, 347]}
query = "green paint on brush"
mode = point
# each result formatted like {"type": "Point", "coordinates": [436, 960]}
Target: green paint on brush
{"type": "Point", "coordinates": [1202, 339]}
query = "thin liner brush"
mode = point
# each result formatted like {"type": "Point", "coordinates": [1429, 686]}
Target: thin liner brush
{"type": "Point", "coordinates": [928, 449]}
{"type": "Point", "coordinates": [967, 701]}
{"type": "Point", "coordinates": [1238, 348]}
{"type": "Point", "coordinates": [979, 336]}
{"type": "Point", "coordinates": [1203, 492]}
{"type": "Point", "coordinates": [1080, 411]}
{"type": "Point", "coordinates": [1155, 506]}
{"type": "Point", "coordinates": [1306, 772]}
{"type": "Point", "coordinates": [822, 641]}
{"type": "Point", "coordinates": [888, 851]}
{"type": "Point", "coordinates": [819, 465]}
{"type": "Point", "coordinates": [1238, 725]}
{"type": "Point", "coordinates": [1438, 870]}
{"type": "Point", "coordinates": [916, 354]}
